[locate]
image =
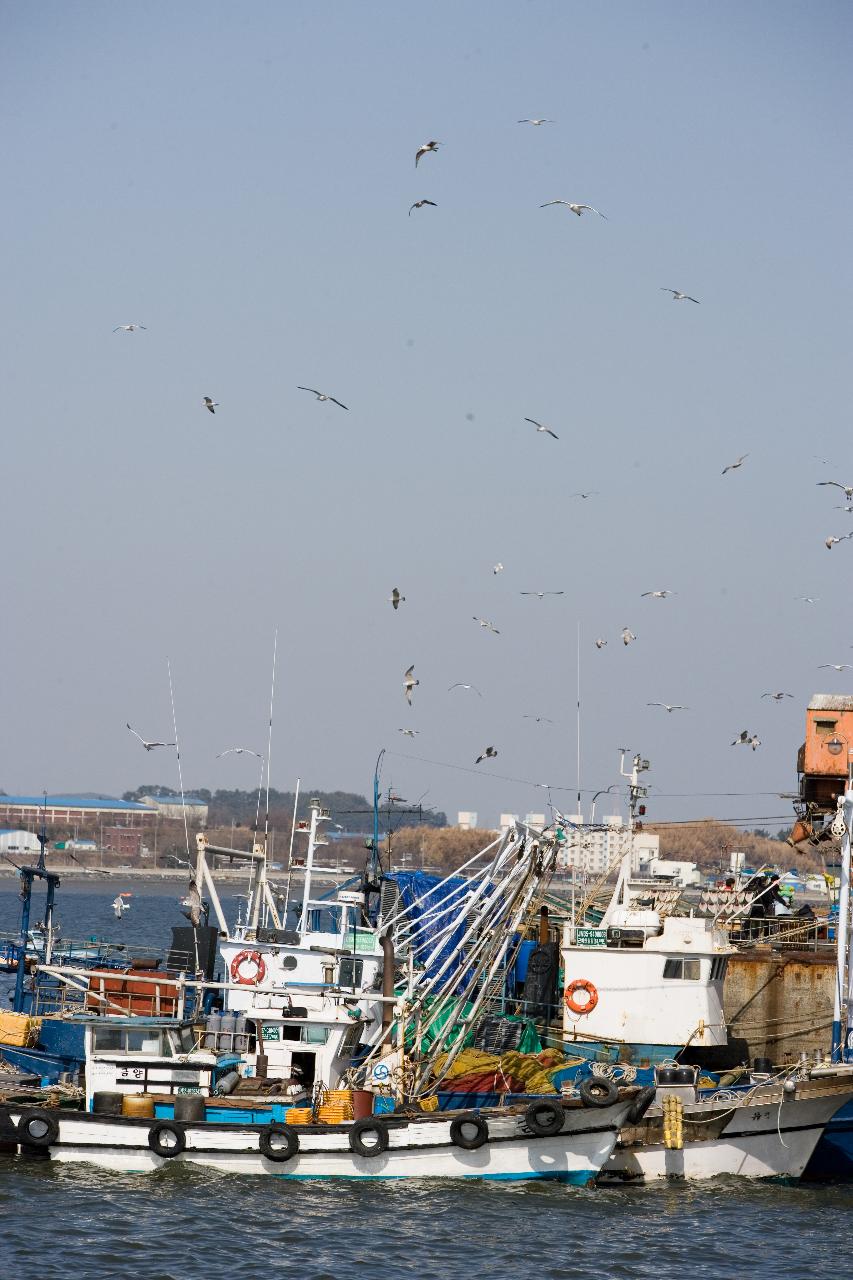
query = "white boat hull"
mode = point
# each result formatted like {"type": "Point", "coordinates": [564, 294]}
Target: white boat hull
{"type": "Point", "coordinates": [420, 1148]}
{"type": "Point", "coordinates": [763, 1137]}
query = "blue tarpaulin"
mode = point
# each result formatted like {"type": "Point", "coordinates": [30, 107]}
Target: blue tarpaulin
{"type": "Point", "coordinates": [422, 894]}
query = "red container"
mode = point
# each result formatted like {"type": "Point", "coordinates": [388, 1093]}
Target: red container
{"type": "Point", "coordinates": [362, 1104]}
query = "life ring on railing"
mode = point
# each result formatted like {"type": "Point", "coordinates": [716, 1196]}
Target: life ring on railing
{"type": "Point", "coordinates": [581, 984]}
{"type": "Point", "coordinates": [238, 962]}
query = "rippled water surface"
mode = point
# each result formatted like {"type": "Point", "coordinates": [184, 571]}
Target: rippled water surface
{"type": "Point", "coordinates": [182, 1223]}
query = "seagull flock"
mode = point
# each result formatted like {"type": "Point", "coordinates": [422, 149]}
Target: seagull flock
{"type": "Point", "coordinates": [396, 599]}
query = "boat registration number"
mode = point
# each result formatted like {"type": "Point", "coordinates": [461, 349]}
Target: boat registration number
{"type": "Point", "coordinates": [590, 937]}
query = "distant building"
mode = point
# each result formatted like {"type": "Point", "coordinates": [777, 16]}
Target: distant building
{"type": "Point", "coordinates": [125, 841]}
{"type": "Point", "coordinates": [71, 811]}
{"type": "Point", "coordinates": [535, 820]}
{"type": "Point", "coordinates": [598, 850]}
{"type": "Point", "coordinates": [466, 819]}
{"type": "Point", "coordinates": [13, 841]}
{"type": "Point", "coordinates": [682, 874]}
{"type": "Point", "coordinates": [174, 807]}
{"type": "Point", "coordinates": [507, 820]}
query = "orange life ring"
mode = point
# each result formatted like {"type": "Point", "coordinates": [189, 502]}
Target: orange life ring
{"type": "Point", "coordinates": [238, 962]}
{"type": "Point", "coordinates": [581, 984]}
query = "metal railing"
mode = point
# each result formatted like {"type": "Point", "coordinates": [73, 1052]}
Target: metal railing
{"type": "Point", "coordinates": [792, 933]}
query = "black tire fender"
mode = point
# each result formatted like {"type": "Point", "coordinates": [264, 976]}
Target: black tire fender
{"type": "Point", "coordinates": [469, 1141]}
{"type": "Point", "coordinates": [598, 1091]}
{"type": "Point", "coordinates": [37, 1128]}
{"type": "Point", "coordinates": [641, 1104]}
{"type": "Point", "coordinates": [167, 1139]}
{"type": "Point", "coordinates": [278, 1142]}
{"type": "Point", "coordinates": [544, 1118]}
{"type": "Point", "coordinates": [377, 1147]}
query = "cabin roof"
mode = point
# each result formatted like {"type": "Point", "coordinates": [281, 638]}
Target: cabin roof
{"type": "Point", "coordinates": [831, 702]}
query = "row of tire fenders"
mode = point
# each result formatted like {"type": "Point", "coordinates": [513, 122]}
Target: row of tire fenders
{"type": "Point", "coordinates": [367, 1138]}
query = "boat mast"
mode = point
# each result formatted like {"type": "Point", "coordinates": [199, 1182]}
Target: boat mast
{"type": "Point", "coordinates": [28, 874]}
{"type": "Point", "coordinates": [318, 815]}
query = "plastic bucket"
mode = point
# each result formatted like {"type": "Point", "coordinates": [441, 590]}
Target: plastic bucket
{"type": "Point", "coordinates": [362, 1104]}
{"type": "Point", "coordinates": [138, 1104]}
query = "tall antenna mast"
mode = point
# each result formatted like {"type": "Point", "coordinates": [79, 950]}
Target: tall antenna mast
{"type": "Point", "coordinates": [260, 889]}
{"type": "Point", "coordinates": [578, 810]}
{"type": "Point", "coordinates": [180, 765]}
{"type": "Point", "coordinates": [269, 739]}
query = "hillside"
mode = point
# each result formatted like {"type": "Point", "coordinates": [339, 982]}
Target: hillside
{"type": "Point", "coordinates": [350, 811]}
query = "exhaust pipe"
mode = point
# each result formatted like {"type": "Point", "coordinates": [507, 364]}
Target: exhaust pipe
{"type": "Point", "coordinates": [387, 978]}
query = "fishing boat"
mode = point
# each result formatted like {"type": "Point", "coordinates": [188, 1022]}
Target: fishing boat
{"type": "Point", "coordinates": [643, 985]}
{"type": "Point", "coordinates": [560, 1140]}
{"type": "Point", "coordinates": [769, 1131]}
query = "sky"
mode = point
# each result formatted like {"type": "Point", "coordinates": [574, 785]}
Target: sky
{"type": "Point", "coordinates": [237, 178]}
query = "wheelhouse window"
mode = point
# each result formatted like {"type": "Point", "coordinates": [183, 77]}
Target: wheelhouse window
{"type": "Point", "coordinates": [144, 1040]}
{"type": "Point", "coordinates": [718, 968]}
{"type": "Point", "coordinates": [127, 1040]}
{"type": "Point", "coordinates": [108, 1039]}
{"type": "Point", "coordinates": [308, 1033]}
{"type": "Point", "coordinates": [350, 971]}
{"type": "Point", "coordinates": [324, 919]}
{"type": "Point", "coordinates": [678, 967]}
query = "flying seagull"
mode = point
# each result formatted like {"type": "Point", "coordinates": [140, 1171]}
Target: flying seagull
{"type": "Point", "coordinates": [539, 427]}
{"type": "Point", "coordinates": [488, 754]}
{"type": "Point", "coordinates": [409, 683]}
{"type": "Point", "coordinates": [488, 626]}
{"type": "Point", "coordinates": [210, 405]}
{"type": "Point", "coordinates": [239, 751]}
{"type": "Point", "coordinates": [747, 739]}
{"type": "Point", "coordinates": [498, 568]}
{"type": "Point", "coordinates": [848, 489]}
{"type": "Point", "coordinates": [600, 642]}
{"type": "Point", "coordinates": [149, 746]}
{"type": "Point", "coordinates": [830, 542]}
{"type": "Point", "coordinates": [679, 297]}
{"type": "Point", "coordinates": [419, 204]}
{"type": "Point", "coordinates": [128, 328]}
{"type": "Point", "coordinates": [627, 635]}
{"type": "Point", "coordinates": [847, 509]}
{"type": "Point", "coordinates": [538, 719]}
{"type": "Point", "coordinates": [536, 122]}
{"type": "Point", "coordinates": [809, 599]}
{"type": "Point", "coordinates": [540, 595]}
{"type": "Point", "coordinates": [835, 666]}
{"type": "Point", "coordinates": [658, 595]}
{"type": "Point", "coordinates": [668, 706]}
{"type": "Point", "coordinates": [777, 697]}
{"type": "Point", "coordinates": [428, 146]}
{"type": "Point", "coordinates": [321, 395]}
{"type": "Point", "coordinates": [409, 733]}
{"type": "Point", "coordinates": [733, 466]}
{"type": "Point", "coordinates": [575, 208]}
{"type": "Point", "coordinates": [589, 493]}
{"type": "Point", "coordinates": [396, 599]}
{"type": "Point", "coordinates": [460, 685]}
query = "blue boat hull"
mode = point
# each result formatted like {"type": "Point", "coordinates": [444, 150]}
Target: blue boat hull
{"type": "Point", "coordinates": [833, 1155]}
